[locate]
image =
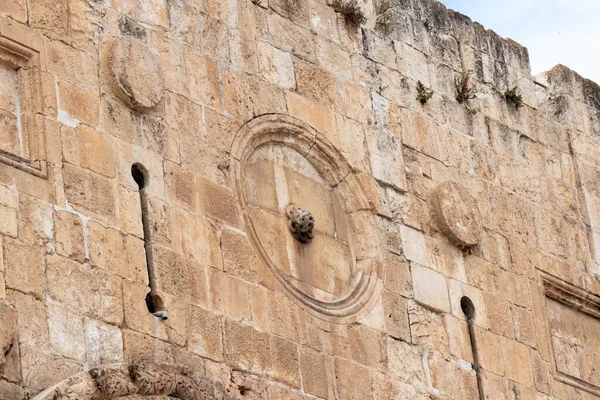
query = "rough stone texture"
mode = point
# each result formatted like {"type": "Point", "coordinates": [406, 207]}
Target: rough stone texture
{"type": "Point", "coordinates": [135, 72]}
{"type": "Point", "coordinates": [237, 109]}
{"type": "Point", "coordinates": [456, 214]}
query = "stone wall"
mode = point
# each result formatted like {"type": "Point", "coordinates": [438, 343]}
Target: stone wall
{"type": "Point", "coordinates": [149, 154]}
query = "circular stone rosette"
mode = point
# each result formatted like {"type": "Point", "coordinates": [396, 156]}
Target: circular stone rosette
{"type": "Point", "coordinates": [278, 161]}
{"type": "Point", "coordinates": [456, 214]}
{"type": "Point", "coordinates": [135, 73]}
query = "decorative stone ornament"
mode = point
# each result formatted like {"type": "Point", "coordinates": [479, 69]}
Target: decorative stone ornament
{"type": "Point", "coordinates": [135, 74]}
{"type": "Point", "coordinates": [302, 223]}
{"type": "Point", "coordinates": [136, 382]}
{"type": "Point", "coordinates": [333, 268]}
{"type": "Point", "coordinates": [456, 215]}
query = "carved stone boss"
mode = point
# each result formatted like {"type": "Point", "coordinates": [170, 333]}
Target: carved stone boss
{"type": "Point", "coordinates": [302, 223]}
{"type": "Point", "coordinates": [456, 214]}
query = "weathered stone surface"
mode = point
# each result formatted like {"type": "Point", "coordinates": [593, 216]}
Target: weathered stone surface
{"type": "Point", "coordinates": [430, 289]}
{"type": "Point", "coordinates": [456, 214]}
{"type": "Point", "coordinates": [8, 331]}
{"type": "Point", "coordinates": [237, 108]}
{"type": "Point", "coordinates": [135, 72]}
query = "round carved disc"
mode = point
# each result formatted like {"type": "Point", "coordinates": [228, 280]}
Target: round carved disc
{"type": "Point", "coordinates": [135, 73]}
{"type": "Point", "coordinates": [456, 214]}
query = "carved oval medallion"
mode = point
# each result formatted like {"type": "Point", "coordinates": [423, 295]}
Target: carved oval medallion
{"type": "Point", "coordinates": [135, 73]}
{"type": "Point", "coordinates": [456, 214]}
{"type": "Point", "coordinates": [307, 217]}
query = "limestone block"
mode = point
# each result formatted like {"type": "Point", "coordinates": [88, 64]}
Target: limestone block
{"type": "Point", "coordinates": [376, 195]}
{"type": "Point", "coordinates": [379, 49]}
{"type": "Point", "coordinates": [202, 77]}
{"type": "Point", "coordinates": [517, 362]}
{"type": "Point", "coordinates": [367, 346]}
{"type": "Point", "coordinates": [316, 371]}
{"type": "Point", "coordinates": [353, 381]}
{"type": "Point", "coordinates": [204, 333]}
{"type": "Point", "coordinates": [17, 9]}
{"type": "Point", "coordinates": [152, 12]}
{"type": "Point", "coordinates": [524, 326]}
{"type": "Point", "coordinates": [396, 312]}
{"type": "Point", "coordinates": [397, 275]}
{"type": "Point", "coordinates": [96, 151]}
{"type": "Point", "coordinates": [285, 365]}
{"type": "Point", "coordinates": [489, 349]}
{"type": "Point", "coordinates": [405, 361]}
{"type": "Point", "coordinates": [246, 347]}
{"type": "Point", "coordinates": [414, 246]}
{"type": "Point", "coordinates": [66, 332]}
{"type": "Point", "coordinates": [104, 343]}
{"type": "Point", "coordinates": [195, 238]}
{"type": "Point", "coordinates": [182, 187]}
{"type": "Point", "coordinates": [32, 320]}
{"type": "Point", "coordinates": [8, 221]}
{"type": "Point", "coordinates": [71, 65]}
{"type": "Point", "coordinates": [8, 331]}
{"type": "Point", "coordinates": [90, 192]}
{"type": "Point", "coordinates": [218, 202]}
{"type": "Point", "coordinates": [171, 271]}
{"type": "Point", "coordinates": [69, 235]}
{"type": "Point", "coordinates": [430, 289]}
{"type": "Point", "coordinates": [109, 249]}
{"type": "Point", "coordinates": [297, 12]}
{"type": "Point", "coordinates": [459, 341]}
{"type": "Point", "coordinates": [24, 268]}
{"type": "Point", "coordinates": [427, 328]}
{"type": "Point", "coordinates": [135, 72]}
{"type": "Point", "coordinates": [11, 391]}
{"type": "Point", "coordinates": [91, 291]}
{"type": "Point", "coordinates": [291, 37]}
{"type": "Point", "coordinates": [457, 291]}
{"type": "Point", "coordinates": [323, 20]}
{"type": "Point", "coordinates": [42, 370]}
{"type": "Point", "coordinates": [138, 318]}
{"type": "Point", "coordinates": [51, 16]}
{"type": "Point", "coordinates": [198, 284]}
{"type": "Point", "coordinates": [319, 116]}
{"type": "Point", "coordinates": [276, 66]}
{"type": "Point", "coordinates": [77, 105]}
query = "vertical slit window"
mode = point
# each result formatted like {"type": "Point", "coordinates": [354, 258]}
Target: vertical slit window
{"type": "Point", "coordinates": [154, 302]}
{"type": "Point", "coordinates": [468, 308]}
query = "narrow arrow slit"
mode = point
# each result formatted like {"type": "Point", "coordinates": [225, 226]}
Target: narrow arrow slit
{"type": "Point", "coordinates": [154, 302]}
{"type": "Point", "coordinates": [468, 308]}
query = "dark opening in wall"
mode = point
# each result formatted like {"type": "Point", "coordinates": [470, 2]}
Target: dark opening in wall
{"type": "Point", "coordinates": [468, 308]}
{"type": "Point", "coordinates": [139, 173]}
{"type": "Point", "coordinates": [154, 302]}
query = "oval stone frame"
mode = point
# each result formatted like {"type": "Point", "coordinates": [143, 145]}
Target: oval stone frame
{"type": "Point", "coordinates": [364, 289]}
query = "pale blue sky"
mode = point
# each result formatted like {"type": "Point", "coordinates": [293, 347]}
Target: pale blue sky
{"type": "Point", "coordinates": [555, 31]}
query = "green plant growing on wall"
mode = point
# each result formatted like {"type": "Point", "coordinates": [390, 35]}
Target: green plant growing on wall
{"type": "Point", "coordinates": [423, 95]}
{"type": "Point", "coordinates": [351, 11]}
{"type": "Point", "coordinates": [464, 91]}
{"type": "Point", "coordinates": [512, 97]}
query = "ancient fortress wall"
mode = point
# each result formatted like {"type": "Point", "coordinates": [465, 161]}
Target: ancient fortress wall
{"type": "Point", "coordinates": [313, 231]}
